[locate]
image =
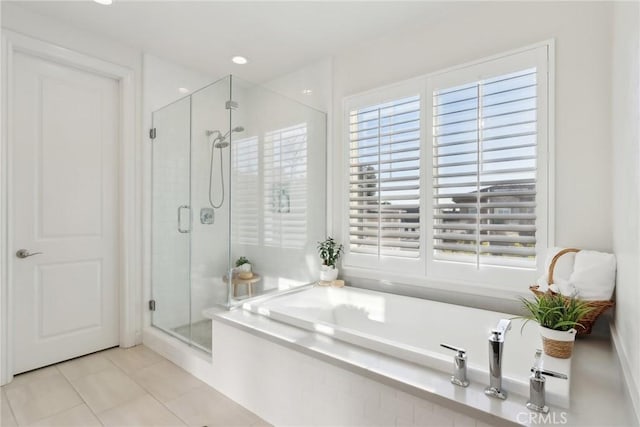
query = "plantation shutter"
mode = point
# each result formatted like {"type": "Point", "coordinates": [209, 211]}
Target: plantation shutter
{"type": "Point", "coordinates": [384, 178]}
{"type": "Point", "coordinates": [285, 187]}
{"type": "Point", "coordinates": [484, 170]}
{"type": "Point", "coordinates": [245, 186]}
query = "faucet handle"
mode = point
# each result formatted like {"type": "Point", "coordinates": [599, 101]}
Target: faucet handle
{"type": "Point", "coordinates": [459, 376]}
{"type": "Point", "coordinates": [461, 351]}
{"type": "Point", "coordinates": [554, 374]}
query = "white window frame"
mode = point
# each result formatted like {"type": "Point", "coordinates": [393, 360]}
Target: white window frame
{"type": "Point", "coordinates": [413, 266]}
{"type": "Point", "coordinates": [426, 271]}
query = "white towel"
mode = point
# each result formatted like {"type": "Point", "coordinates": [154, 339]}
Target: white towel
{"type": "Point", "coordinates": [594, 275]}
{"type": "Point", "coordinates": [561, 272]}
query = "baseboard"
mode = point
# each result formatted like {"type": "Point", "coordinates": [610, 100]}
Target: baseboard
{"type": "Point", "coordinates": [194, 361]}
{"type": "Point", "coordinates": [629, 380]}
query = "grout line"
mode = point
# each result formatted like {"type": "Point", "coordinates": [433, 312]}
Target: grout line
{"type": "Point", "coordinates": [11, 411]}
{"type": "Point", "coordinates": [84, 402]}
{"type": "Point", "coordinates": [59, 412]}
{"type": "Point", "coordinates": [163, 359]}
{"type": "Point", "coordinates": [55, 413]}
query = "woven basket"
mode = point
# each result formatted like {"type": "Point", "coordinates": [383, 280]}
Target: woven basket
{"type": "Point", "coordinates": [559, 349]}
{"type": "Point", "coordinates": [597, 307]}
{"type": "Point", "coordinates": [557, 343]}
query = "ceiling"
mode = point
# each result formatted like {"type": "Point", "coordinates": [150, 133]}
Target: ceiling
{"type": "Point", "coordinates": [277, 37]}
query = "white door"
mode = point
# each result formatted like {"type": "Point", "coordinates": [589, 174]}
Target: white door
{"type": "Point", "coordinates": [64, 205]}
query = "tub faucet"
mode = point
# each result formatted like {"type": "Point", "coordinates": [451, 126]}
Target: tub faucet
{"type": "Point", "coordinates": [459, 376]}
{"type": "Point", "coordinates": [537, 398]}
{"type": "Point", "coordinates": [496, 343]}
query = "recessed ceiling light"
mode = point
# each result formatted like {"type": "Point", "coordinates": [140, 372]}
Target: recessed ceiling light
{"type": "Point", "coordinates": [240, 60]}
{"type": "Point", "coordinates": [183, 90]}
{"type": "Point", "coordinates": [104, 2]}
{"type": "Point", "coordinates": [307, 91]}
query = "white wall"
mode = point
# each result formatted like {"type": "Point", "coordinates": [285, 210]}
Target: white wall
{"type": "Point", "coordinates": [625, 137]}
{"type": "Point", "coordinates": [583, 39]}
{"type": "Point", "coordinates": [310, 85]}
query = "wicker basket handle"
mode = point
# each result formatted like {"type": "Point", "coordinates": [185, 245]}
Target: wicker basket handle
{"type": "Point", "coordinates": [555, 259]}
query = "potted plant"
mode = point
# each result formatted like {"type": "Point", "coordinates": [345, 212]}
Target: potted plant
{"type": "Point", "coordinates": [243, 267]}
{"type": "Point", "coordinates": [329, 251]}
{"type": "Point", "coordinates": [558, 317]}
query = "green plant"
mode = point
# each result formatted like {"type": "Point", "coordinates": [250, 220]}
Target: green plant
{"type": "Point", "coordinates": [242, 260]}
{"type": "Point", "coordinates": [555, 312]}
{"type": "Point", "coordinates": [329, 251]}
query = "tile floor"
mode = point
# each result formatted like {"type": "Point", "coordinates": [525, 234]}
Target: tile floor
{"type": "Point", "coordinates": [117, 387]}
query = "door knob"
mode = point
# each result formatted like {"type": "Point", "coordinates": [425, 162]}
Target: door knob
{"type": "Point", "coordinates": [24, 253]}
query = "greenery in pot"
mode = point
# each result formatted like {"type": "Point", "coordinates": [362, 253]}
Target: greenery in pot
{"type": "Point", "coordinates": [330, 251]}
{"type": "Point", "coordinates": [242, 260]}
{"type": "Point", "coordinates": [553, 311]}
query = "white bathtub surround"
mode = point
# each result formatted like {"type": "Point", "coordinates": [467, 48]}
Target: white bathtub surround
{"type": "Point", "coordinates": [318, 380]}
{"type": "Point", "coordinates": [413, 329]}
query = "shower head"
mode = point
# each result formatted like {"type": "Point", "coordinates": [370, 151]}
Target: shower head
{"type": "Point", "coordinates": [220, 141]}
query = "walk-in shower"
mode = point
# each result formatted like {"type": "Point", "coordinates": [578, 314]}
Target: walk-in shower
{"type": "Point", "coordinates": [234, 166]}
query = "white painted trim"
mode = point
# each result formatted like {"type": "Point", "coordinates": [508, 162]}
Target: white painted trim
{"type": "Point", "coordinates": [551, 143]}
{"type": "Point", "coordinates": [129, 182]}
{"type": "Point", "coordinates": [489, 280]}
{"type": "Point", "coordinates": [629, 380]}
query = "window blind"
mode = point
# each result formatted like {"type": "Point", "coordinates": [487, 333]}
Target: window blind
{"type": "Point", "coordinates": [484, 170]}
{"type": "Point", "coordinates": [384, 178]}
{"type": "Point", "coordinates": [285, 187]}
{"type": "Point", "coordinates": [245, 167]}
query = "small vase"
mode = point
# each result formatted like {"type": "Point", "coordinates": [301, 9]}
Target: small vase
{"type": "Point", "coordinates": [328, 273]}
{"type": "Point", "coordinates": [558, 343]}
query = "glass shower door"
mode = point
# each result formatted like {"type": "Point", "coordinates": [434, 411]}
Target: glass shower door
{"type": "Point", "coordinates": [172, 219]}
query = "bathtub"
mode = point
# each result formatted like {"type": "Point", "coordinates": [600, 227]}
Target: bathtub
{"type": "Point", "coordinates": [412, 329]}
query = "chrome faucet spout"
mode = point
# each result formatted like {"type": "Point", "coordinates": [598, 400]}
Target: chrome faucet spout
{"type": "Point", "coordinates": [504, 325]}
{"type": "Point", "coordinates": [496, 344]}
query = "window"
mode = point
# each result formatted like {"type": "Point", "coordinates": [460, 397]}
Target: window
{"type": "Point", "coordinates": [384, 178]}
{"type": "Point", "coordinates": [285, 187]}
{"type": "Point", "coordinates": [484, 170]}
{"type": "Point", "coordinates": [246, 198]}
{"type": "Point", "coordinates": [270, 189]}
{"type": "Point", "coordinates": [448, 173]}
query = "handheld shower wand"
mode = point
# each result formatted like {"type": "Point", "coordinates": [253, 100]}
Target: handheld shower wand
{"type": "Point", "coordinates": [219, 141]}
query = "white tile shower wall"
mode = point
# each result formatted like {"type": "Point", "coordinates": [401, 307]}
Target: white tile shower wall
{"type": "Point", "coordinates": [161, 83]}
{"type": "Point", "coordinates": [302, 390]}
{"type": "Point", "coordinates": [209, 255]}
{"type": "Point", "coordinates": [284, 264]}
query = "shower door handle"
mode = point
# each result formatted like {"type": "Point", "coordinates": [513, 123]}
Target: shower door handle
{"type": "Point", "coordinates": [180, 229]}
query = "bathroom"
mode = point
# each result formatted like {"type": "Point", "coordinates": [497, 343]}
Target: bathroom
{"type": "Point", "coordinates": [199, 175]}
